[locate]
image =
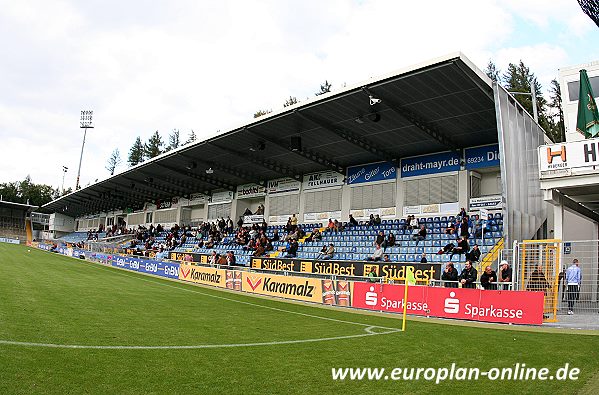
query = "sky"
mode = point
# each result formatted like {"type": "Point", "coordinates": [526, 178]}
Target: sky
{"type": "Point", "coordinates": [208, 66]}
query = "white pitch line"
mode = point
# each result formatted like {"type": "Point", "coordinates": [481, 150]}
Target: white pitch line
{"type": "Point", "coordinates": [368, 328]}
{"type": "Point", "coordinates": [126, 272]}
{"type": "Point", "coordinates": [191, 347]}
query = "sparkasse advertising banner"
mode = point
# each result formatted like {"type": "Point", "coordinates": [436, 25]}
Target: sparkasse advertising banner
{"type": "Point", "coordinates": [290, 287]}
{"type": "Point", "coordinates": [430, 164]}
{"type": "Point", "coordinates": [380, 171]}
{"type": "Point", "coordinates": [516, 307]}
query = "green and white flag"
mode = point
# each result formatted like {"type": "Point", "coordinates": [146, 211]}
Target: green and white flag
{"type": "Point", "coordinates": [588, 119]}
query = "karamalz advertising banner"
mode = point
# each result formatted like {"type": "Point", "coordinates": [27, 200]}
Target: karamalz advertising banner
{"type": "Point", "coordinates": [290, 287]}
{"type": "Point", "coordinates": [516, 307]}
{"type": "Point", "coordinates": [203, 275]}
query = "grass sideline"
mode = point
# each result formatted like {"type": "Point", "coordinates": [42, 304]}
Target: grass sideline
{"type": "Point", "coordinates": [47, 298]}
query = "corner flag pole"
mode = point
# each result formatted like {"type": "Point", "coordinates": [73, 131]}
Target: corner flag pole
{"type": "Point", "coordinates": [410, 279]}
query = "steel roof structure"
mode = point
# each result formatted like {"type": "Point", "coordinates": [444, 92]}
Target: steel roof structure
{"type": "Point", "coordinates": [444, 104]}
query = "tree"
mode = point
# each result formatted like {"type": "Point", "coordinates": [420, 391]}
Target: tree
{"type": "Point", "coordinates": [27, 191]}
{"type": "Point", "coordinates": [260, 113]}
{"type": "Point", "coordinates": [324, 88]}
{"type": "Point", "coordinates": [291, 101]}
{"type": "Point", "coordinates": [492, 71]}
{"type": "Point", "coordinates": [136, 153]}
{"type": "Point", "coordinates": [173, 140]}
{"type": "Point", "coordinates": [555, 96]}
{"type": "Point", "coordinates": [113, 161]}
{"type": "Point", "coordinates": [191, 138]}
{"type": "Point", "coordinates": [153, 147]}
{"type": "Point", "coordinates": [519, 78]}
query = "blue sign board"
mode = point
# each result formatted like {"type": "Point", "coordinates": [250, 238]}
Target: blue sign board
{"type": "Point", "coordinates": [157, 268]}
{"type": "Point", "coordinates": [430, 164]}
{"type": "Point", "coordinates": [480, 157]}
{"type": "Point", "coordinates": [370, 173]}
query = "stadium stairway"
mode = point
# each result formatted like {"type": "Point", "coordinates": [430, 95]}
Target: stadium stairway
{"type": "Point", "coordinates": [491, 256]}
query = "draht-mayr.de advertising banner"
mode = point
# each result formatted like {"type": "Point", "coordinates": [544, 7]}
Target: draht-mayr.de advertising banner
{"type": "Point", "coordinates": [424, 272]}
{"type": "Point", "coordinates": [515, 307]}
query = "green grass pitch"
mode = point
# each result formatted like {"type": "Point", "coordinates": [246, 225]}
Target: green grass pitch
{"type": "Point", "coordinates": [50, 299]}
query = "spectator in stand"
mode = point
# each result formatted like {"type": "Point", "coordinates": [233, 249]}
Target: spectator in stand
{"type": "Point", "coordinates": [371, 220]}
{"type": "Point", "coordinates": [377, 254]}
{"type": "Point", "coordinates": [323, 251]}
{"type": "Point", "coordinates": [474, 254]}
{"type": "Point", "coordinates": [229, 225]}
{"type": "Point", "coordinates": [275, 235]}
{"type": "Point", "coordinates": [477, 227]}
{"type": "Point", "coordinates": [386, 258]}
{"type": "Point", "coordinates": [489, 279]}
{"type": "Point", "coordinates": [451, 228]}
{"type": "Point", "coordinates": [464, 233]}
{"type": "Point", "coordinates": [419, 235]}
{"type": "Point", "coordinates": [331, 226]}
{"type": "Point", "coordinates": [377, 220]}
{"type": "Point", "coordinates": [260, 209]}
{"type": "Point", "coordinates": [293, 222]}
{"type": "Point", "coordinates": [222, 260]}
{"type": "Point", "coordinates": [292, 249]}
{"type": "Point", "coordinates": [413, 223]}
{"type": "Point", "coordinates": [231, 260]}
{"type": "Point", "coordinates": [247, 211]}
{"type": "Point", "coordinates": [314, 236]}
{"type": "Point", "coordinates": [330, 252]}
{"type": "Point", "coordinates": [240, 221]}
{"type": "Point", "coordinates": [505, 273]}
{"type": "Point", "coordinates": [447, 249]}
{"type": "Point", "coordinates": [461, 248]}
{"type": "Point", "coordinates": [380, 239]}
{"type": "Point", "coordinates": [352, 221]}
{"type": "Point", "coordinates": [573, 280]}
{"type": "Point", "coordinates": [468, 276]}
{"type": "Point", "coordinates": [538, 282]}
{"type": "Point", "coordinates": [462, 213]}
{"type": "Point", "coordinates": [213, 258]}
{"type": "Point", "coordinates": [259, 251]}
{"type": "Point", "coordinates": [391, 240]}
{"type": "Point", "coordinates": [450, 276]}
{"type": "Point", "coordinates": [423, 258]}
{"type": "Point", "coordinates": [338, 226]}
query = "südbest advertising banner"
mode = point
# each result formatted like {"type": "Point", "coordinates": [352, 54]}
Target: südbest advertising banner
{"type": "Point", "coordinates": [515, 307]}
{"type": "Point", "coordinates": [424, 272]}
{"type": "Point", "coordinates": [203, 275]}
{"type": "Point", "coordinates": [289, 287]}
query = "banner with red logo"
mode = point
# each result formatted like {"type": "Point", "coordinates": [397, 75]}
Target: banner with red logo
{"type": "Point", "coordinates": [290, 287]}
{"type": "Point", "coordinates": [516, 307]}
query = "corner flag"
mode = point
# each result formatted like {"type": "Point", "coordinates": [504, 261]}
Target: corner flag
{"type": "Point", "coordinates": [588, 119]}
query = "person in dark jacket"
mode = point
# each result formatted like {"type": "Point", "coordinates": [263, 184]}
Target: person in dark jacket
{"type": "Point", "coordinates": [474, 254]}
{"type": "Point", "coordinates": [464, 228]}
{"type": "Point", "coordinates": [352, 220]}
{"type": "Point", "coordinates": [468, 276]}
{"type": "Point", "coordinates": [450, 274]}
{"type": "Point", "coordinates": [461, 248]}
{"type": "Point", "coordinates": [489, 279]}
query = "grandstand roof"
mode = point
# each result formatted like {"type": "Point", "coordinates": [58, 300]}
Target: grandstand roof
{"type": "Point", "coordinates": [443, 104]}
{"type": "Point", "coordinates": [17, 206]}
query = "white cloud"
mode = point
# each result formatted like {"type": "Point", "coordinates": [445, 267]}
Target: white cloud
{"type": "Point", "coordinates": [209, 66]}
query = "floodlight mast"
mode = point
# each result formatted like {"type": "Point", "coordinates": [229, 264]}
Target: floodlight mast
{"type": "Point", "coordinates": [85, 123]}
{"type": "Point", "coordinates": [64, 172]}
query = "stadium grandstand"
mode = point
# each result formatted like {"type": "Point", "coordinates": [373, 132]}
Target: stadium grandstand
{"type": "Point", "coordinates": [423, 143]}
{"type": "Point", "coordinates": [15, 220]}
